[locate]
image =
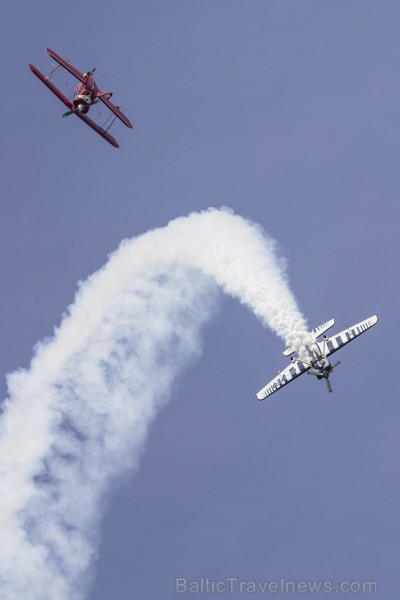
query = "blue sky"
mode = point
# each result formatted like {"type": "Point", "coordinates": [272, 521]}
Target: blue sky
{"type": "Point", "coordinates": [288, 112]}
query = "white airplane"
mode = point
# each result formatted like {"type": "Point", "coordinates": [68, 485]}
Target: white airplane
{"type": "Point", "coordinates": [316, 361]}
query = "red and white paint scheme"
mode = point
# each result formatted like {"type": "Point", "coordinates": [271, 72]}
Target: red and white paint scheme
{"type": "Point", "coordinates": [86, 94]}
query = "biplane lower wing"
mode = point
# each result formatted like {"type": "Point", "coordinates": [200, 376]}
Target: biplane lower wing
{"type": "Point", "coordinates": [116, 110]}
{"type": "Point", "coordinates": [51, 86]}
{"type": "Point", "coordinates": [109, 138]}
{"type": "Point", "coordinates": [98, 129]}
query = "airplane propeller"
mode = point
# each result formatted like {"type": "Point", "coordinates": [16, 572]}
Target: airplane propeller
{"type": "Point", "coordinates": [74, 110]}
{"type": "Point", "coordinates": [70, 112]}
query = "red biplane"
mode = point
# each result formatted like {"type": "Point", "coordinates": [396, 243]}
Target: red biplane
{"type": "Point", "coordinates": [85, 95]}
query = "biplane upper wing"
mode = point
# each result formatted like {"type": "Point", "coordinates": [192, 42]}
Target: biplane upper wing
{"type": "Point", "coordinates": [342, 338]}
{"type": "Point", "coordinates": [116, 110]}
{"type": "Point", "coordinates": [66, 65]}
{"type": "Point", "coordinates": [48, 83]}
{"type": "Point", "coordinates": [288, 374]}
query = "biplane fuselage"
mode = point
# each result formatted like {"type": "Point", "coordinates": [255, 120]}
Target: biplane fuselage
{"type": "Point", "coordinates": [85, 94]}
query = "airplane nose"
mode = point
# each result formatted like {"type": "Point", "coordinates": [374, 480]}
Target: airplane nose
{"type": "Point", "coordinates": [82, 108]}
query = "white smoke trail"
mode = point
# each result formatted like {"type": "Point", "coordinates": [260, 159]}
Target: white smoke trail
{"type": "Point", "coordinates": [77, 418]}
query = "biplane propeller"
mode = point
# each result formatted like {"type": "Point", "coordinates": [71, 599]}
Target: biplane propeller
{"type": "Point", "coordinates": [79, 107]}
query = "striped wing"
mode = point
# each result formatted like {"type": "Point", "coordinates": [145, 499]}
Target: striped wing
{"type": "Point", "coordinates": [290, 373]}
{"type": "Point", "coordinates": [342, 338]}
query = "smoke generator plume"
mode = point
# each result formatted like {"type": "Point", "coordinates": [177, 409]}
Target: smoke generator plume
{"type": "Point", "coordinates": [77, 419]}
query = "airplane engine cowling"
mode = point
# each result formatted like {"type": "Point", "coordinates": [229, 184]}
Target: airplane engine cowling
{"type": "Point", "coordinates": [83, 108]}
